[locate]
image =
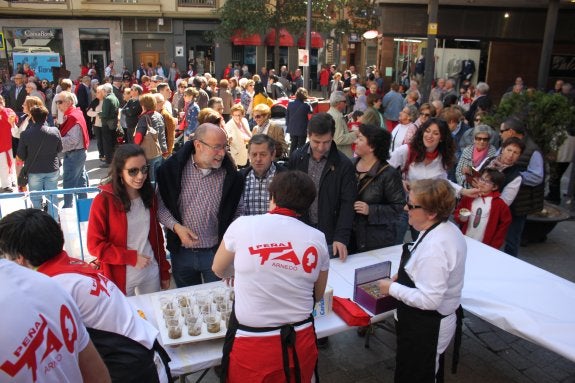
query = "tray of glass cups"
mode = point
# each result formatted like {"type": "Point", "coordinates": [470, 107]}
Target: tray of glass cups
{"type": "Point", "coordinates": [188, 316]}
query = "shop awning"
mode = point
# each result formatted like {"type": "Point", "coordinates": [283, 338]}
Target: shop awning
{"type": "Point", "coordinates": [316, 40]}
{"type": "Point", "coordinates": [239, 39]}
{"type": "Point", "coordinates": [286, 39]}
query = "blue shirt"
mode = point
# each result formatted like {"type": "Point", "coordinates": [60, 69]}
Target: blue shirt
{"type": "Point", "coordinates": [392, 104]}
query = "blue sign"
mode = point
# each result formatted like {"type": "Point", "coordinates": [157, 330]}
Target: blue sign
{"type": "Point", "coordinates": [40, 63]}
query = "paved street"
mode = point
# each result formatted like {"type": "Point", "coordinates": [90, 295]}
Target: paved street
{"type": "Point", "coordinates": [488, 354]}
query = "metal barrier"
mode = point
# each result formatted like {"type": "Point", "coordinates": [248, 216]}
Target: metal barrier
{"type": "Point", "coordinates": [10, 202]}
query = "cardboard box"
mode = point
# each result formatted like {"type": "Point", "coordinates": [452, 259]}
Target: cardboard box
{"type": "Point", "coordinates": [366, 290]}
{"type": "Point", "coordinates": [324, 307]}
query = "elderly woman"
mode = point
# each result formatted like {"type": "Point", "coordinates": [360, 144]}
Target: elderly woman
{"type": "Point", "coordinates": [428, 284]}
{"type": "Point", "coordinates": [94, 111]}
{"type": "Point", "coordinates": [405, 129]}
{"type": "Point", "coordinates": [246, 95]}
{"type": "Point", "coordinates": [426, 111]}
{"type": "Point", "coordinates": [268, 297]}
{"type": "Point", "coordinates": [227, 98]}
{"type": "Point", "coordinates": [262, 115]}
{"type": "Point", "coordinates": [151, 123]}
{"type": "Point", "coordinates": [371, 115]}
{"type": "Point", "coordinates": [32, 90]}
{"type": "Point", "coordinates": [239, 134]}
{"type": "Point", "coordinates": [473, 156]}
{"type": "Point", "coordinates": [380, 196]}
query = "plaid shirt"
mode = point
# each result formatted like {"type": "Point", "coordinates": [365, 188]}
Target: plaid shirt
{"type": "Point", "coordinates": [256, 192]}
{"type": "Point", "coordinates": [199, 203]}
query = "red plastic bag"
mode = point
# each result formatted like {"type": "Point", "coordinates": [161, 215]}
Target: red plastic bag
{"type": "Point", "coordinates": [350, 312]}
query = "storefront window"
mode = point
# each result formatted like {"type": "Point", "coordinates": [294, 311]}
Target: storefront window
{"type": "Point", "coordinates": [39, 48]}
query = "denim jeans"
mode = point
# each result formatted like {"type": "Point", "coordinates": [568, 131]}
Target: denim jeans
{"type": "Point", "coordinates": [513, 238]}
{"type": "Point", "coordinates": [154, 165]}
{"type": "Point", "coordinates": [44, 181]}
{"type": "Point", "coordinates": [74, 174]}
{"type": "Point", "coordinates": [189, 266]}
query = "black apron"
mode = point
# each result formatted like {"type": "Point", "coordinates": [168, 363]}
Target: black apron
{"type": "Point", "coordinates": [418, 332]}
{"type": "Point", "coordinates": [288, 342]}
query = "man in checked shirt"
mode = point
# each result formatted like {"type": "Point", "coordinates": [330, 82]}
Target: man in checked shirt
{"type": "Point", "coordinates": [260, 173]}
{"type": "Point", "coordinates": [199, 194]}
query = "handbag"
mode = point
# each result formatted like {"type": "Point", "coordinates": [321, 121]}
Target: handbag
{"type": "Point", "coordinates": [22, 178]}
{"type": "Point", "coordinates": [150, 143]}
{"type": "Point", "coordinates": [350, 312]}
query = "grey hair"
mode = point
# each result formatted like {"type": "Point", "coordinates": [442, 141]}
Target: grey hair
{"type": "Point", "coordinates": [107, 88]}
{"type": "Point", "coordinates": [336, 97]}
{"type": "Point", "coordinates": [482, 87]}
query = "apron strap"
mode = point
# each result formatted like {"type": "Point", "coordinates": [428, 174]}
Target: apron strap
{"type": "Point", "coordinates": [165, 359]}
{"type": "Point", "coordinates": [457, 339]}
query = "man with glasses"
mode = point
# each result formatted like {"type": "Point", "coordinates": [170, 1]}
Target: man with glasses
{"type": "Point", "coordinates": [199, 192]}
{"type": "Point", "coordinates": [17, 94]}
{"type": "Point", "coordinates": [75, 143]}
{"type": "Point", "coordinates": [342, 137]}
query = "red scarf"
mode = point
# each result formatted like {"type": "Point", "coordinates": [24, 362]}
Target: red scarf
{"type": "Point", "coordinates": [72, 117]}
{"type": "Point", "coordinates": [431, 155]}
{"type": "Point", "coordinates": [412, 156]}
{"type": "Point", "coordinates": [284, 211]}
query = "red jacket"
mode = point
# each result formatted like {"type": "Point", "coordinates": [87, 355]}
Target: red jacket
{"type": "Point", "coordinates": [497, 225]}
{"type": "Point", "coordinates": [108, 237]}
{"type": "Point", "coordinates": [324, 77]}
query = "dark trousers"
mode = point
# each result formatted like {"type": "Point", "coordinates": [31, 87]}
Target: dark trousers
{"type": "Point", "coordinates": [109, 140]}
{"type": "Point", "coordinates": [296, 143]}
{"type": "Point", "coordinates": [100, 144]}
{"type": "Point", "coordinates": [557, 170]}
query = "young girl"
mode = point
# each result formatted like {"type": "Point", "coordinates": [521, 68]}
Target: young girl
{"type": "Point", "coordinates": [123, 231]}
{"type": "Point", "coordinates": [487, 217]}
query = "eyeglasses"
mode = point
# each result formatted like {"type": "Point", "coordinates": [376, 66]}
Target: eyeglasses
{"type": "Point", "coordinates": [216, 148]}
{"type": "Point", "coordinates": [258, 116]}
{"type": "Point", "coordinates": [425, 114]}
{"type": "Point", "coordinates": [484, 139]}
{"type": "Point", "coordinates": [411, 207]}
{"type": "Point", "coordinates": [486, 181]}
{"type": "Point", "coordinates": [133, 172]}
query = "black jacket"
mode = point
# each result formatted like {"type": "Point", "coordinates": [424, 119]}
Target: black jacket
{"type": "Point", "coordinates": [336, 194]}
{"type": "Point", "coordinates": [132, 111]}
{"type": "Point", "coordinates": [381, 188]}
{"type": "Point", "coordinates": [297, 118]}
{"type": "Point", "coordinates": [169, 181]}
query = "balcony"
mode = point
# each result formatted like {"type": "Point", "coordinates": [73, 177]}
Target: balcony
{"type": "Point", "coordinates": [36, 1]}
{"type": "Point", "coordinates": [197, 3]}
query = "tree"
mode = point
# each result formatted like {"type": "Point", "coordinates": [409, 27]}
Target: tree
{"type": "Point", "coordinates": [258, 16]}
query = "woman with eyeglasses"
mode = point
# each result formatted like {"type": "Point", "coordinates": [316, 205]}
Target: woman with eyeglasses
{"type": "Point", "coordinates": [428, 284]}
{"type": "Point", "coordinates": [262, 114]}
{"type": "Point", "coordinates": [429, 155]}
{"type": "Point", "coordinates": [123, 231]}
{"type": "Point", "coordinates": [426, 111]}
{"type": "Point", "coordinates": [473, 155]}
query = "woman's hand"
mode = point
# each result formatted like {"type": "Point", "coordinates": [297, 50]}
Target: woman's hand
{"type": "Point", "coordinates": [473, 193]}
{"type": "Point", "coordinates": [361, 207]}
{"type": "Point", "coordinates": [142, 261]}
{"type": "Point", "coordinates": [165, 284]}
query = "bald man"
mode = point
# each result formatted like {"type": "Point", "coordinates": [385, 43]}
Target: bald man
{"type": "Point", "coordinates": [199, 194]}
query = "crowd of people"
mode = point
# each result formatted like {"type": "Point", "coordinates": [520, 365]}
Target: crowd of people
{"type": "Point", "coordinates": [197, 166]}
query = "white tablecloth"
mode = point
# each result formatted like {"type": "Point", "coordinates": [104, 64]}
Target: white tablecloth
{"type": "Point", "coordinates": [511, 294]}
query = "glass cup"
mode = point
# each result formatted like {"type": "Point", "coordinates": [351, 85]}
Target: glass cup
{"type": "Point", "coordinates": [213, 322]}
{"type": "Point", "coordinates": [174, 328]}
{"type": "Point", "coordinates": [183, 300]}
{"type": "Point", "coordinates": [194, 326]}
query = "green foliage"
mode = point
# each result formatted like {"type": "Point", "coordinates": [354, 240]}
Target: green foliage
{"type": "Point", "coordinates": [546, 116]}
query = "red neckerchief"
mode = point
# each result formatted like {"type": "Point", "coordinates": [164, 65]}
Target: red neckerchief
{"type": "Point", "coordinates": [284, 211]}
{"type": "Point", "coordinates": [74, 116]}
{"type": "Point", "coordinates": [431, 155]}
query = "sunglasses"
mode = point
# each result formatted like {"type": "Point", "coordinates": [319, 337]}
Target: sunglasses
{"type": "Point", "coordinates": [133, 172]}
{"type": "Point", "coordinates": [425, 114]}
{"type": "Point", "coordinates": [182, 86]}
{"type": "Point", "coordinates": [484, 139]}
{"type": "Point", "coordinates": [258, 116]}
{"type": "Point", "coordinates": [503, 130]}
{"type": "Point", "coordinates": [411, 207]}
{"type": "Point", "coordinates": [477, 120]}
{"type": "Point", "coordinates": [59, 102]}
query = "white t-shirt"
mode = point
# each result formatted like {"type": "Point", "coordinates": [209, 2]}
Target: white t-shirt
{"type": "Point", "coordinates": [104, 307]}
{"type": "Point", "coordinates": [42, 332]}
{"type": "Point", "coordinates": [138, 228]}
{"type": "Point", "coordinates": [277, 262]}
{"type": "Point", "coordinates": [477, 223]}
{"type": "Point", "coordinates": [420, 171]}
